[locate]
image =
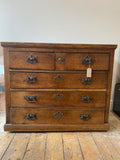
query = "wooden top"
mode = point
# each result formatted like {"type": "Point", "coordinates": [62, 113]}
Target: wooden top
{"type": "Point", "coordinates": [58, 45]}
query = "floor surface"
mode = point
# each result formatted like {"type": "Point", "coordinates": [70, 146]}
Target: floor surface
{"type": "Point", "coordinates": [61, 145]}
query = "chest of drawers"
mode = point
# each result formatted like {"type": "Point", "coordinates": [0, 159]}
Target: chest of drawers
{"type": "Point", "coordinates": [47, 88]}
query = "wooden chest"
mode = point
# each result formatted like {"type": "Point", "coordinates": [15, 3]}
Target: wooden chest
{"type": "Point", "coordinates": [47, 88]}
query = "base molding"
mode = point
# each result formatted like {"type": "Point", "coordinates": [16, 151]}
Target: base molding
{"type": "Point", "coordinates": [54, 127]}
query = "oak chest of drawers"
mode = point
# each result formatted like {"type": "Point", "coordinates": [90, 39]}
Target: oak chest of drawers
{"type": "Point", "coordinates": [47, 88]}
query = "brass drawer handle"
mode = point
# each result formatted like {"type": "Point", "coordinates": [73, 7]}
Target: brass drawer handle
{"type": "Point", "coordinates": [87, 60]}
{"type": "Point", "coordinates": [58, 115]}
{"type": "Point", "coordinates": [86, 80]}
{"type": "Point", "coordinates": [85, 117]}
{"type": "Point", "coordinates": [30, 116]}
{"type": "Point", "coordinates": [86, 99]}
{"type": "Point", "coordinates": [31, 79]}
{"type": "Point", "coordinates": [59, 78]}
{"type": "Point", "coordinates": [31, 99]}
{"type": "Point", "coordinates": [58, 96]}
{"type": "Point", "coordinates": [31, 59]}
{"type": "Point", "coordinates": [60, 59]}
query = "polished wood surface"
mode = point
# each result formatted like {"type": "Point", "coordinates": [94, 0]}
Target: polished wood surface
{"type": "Point", "coordinates": [44, 116]}
{"type": "Point", "coordinates": [60, 90]}
{"type": "Point", "coordinates": [7, 84]}
{"type": "Point", "coordinates": [47, 61]}
{"type": "Point", "coordinates": [74, 61]}
{"type": "Point", "coordinates": [58, 45]}
{"type": "Point", "coordinates": [48, 80]}
{"type": "Point", "coordinates": [55, 98]}
{"type": "Point", "coordinates": [54, 75]}
{"type": "Point", "coordinates": [44, 60]}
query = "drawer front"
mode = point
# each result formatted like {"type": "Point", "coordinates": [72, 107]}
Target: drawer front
{"type": "Point", "coordinates": [66, 61]}
{"type": "Point", "coordinates": [55, 116]}
{"type": "Point", "coordinates": [54, 98]}
{"type": "Point", "coordinates": [82, 61]}
{"type": "Point", "coordinates": [57, 80]}
{"type": "Point", "coordinates": [32, 60]}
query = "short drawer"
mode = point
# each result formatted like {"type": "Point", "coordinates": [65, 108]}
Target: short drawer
{"type": "Point", "coordinates": [55, 116]}
{"type": "Point", "coordinates": [57, 80]}
{"type": "Point", "coordinates": [75, 61]}
{"type": "Point", "coordinates": [61, 99]}
{"type": "Point", "coordinates": [32, 60]}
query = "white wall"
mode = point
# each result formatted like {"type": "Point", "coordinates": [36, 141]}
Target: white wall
{"type": "Point", "coordinates": [62, 21]}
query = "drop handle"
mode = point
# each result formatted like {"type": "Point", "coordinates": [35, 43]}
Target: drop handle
{"type": "Point", "coordinates": [31, 99]}
{"type": "Point", "coordinates": [31, 59]}
{"type": "Point", "coordinates": [85, 117]}
{"type": "Point", "coordinates": [30, 116]}
{"type": "Point", "coordinates": [86, 99]}
{"type": "Point", "coordinates": [31, 79]}
{"type": "Point", "coordinates": [87, 60]}
{"type": "Point", "coordinates": [86, 81]}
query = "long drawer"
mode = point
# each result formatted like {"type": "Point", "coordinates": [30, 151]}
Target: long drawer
{"type": "Point", "coordinates": [54, 98]}
{"type": "Point", "coordinates": [55, 116]}
{"type": "Point", "coordinates": [57, 80]}
{"type": "Point", "coordinates": [68, 61]}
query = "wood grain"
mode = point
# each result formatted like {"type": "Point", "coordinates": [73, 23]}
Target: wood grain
{"type": "Point", "coordinates": [44, 116]}
{"type": "Point", "coordinates": [60, 50]}
{"type": "Point", "coordinates": [56, 127]}
{"type": "Point", "coordinates": [72, 150]}
{"type": "Point", "coordinates": [74, 61]}
{"type": "Point", "coordinates": [45, 60]}
{"type": "Point", "coordinates": [5, 140]}
{"type": "Point", "coordinates": [54, 78]}
{"type": "Point", "coordinates": [93, 145]}
{"type": "Point", "coordinates": [50, 99]}
{"type": "Point", "coordinates": [36, 147]}
{"type": "Point", "coordinates": [56, 45]}
{"type": "Point", "coordinates": [106, 147]}
{"type": "Point", "coordinates": [17, 147]}
{"type": "Point", "coordinates": [60, 90]}
{"type": "Point", "coordinates": [88, 146]}
{"type": "Point", "coordinates": [47, 80]}
{"type": "Point", "coordinates": [7, 84]}
{"type": "Point", "coordinates": [60, 66]}
{"type": "Point", "coordinates": [54, 147]}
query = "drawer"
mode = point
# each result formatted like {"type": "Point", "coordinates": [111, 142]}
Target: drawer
{"type": "Point", "coordinates": [57, 80]}
{"type": "Point", "coordinates": [54, 98]}
{"type": "Point", "coordinates": [55, 116]}
{"type": "Point", "coordinates": [32, 60]}
{"type": "Point", "coordinates": [66, 61]}
{"type": "Point", "coordinates": [81, 61]}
